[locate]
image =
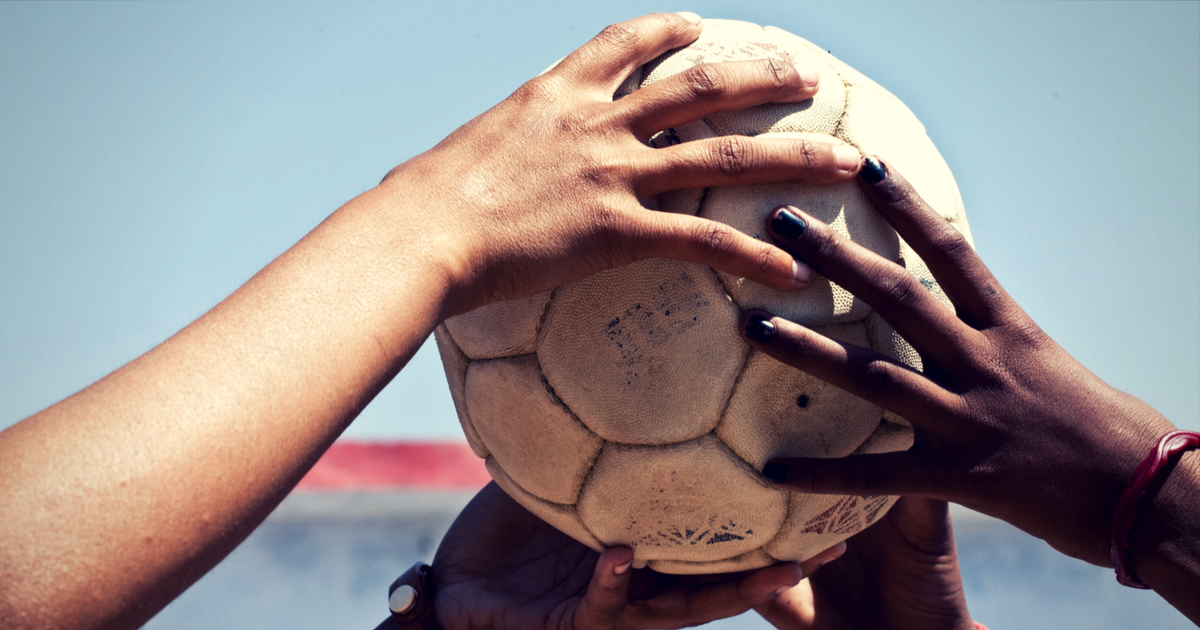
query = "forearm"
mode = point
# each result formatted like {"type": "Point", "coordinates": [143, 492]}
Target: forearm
{"type": "Point", "coordinates": [161, 468]}
{"type": "Point", "coordinates": [1166, 551]}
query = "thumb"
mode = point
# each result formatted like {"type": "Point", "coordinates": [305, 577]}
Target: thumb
{"type": "Point", "coordinates": [897, 473]}
{"type": "Point", "coordinates": [608, 592]}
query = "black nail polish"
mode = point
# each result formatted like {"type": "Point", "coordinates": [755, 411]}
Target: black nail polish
{"type": "Point", "coordinates": [787, 224]}
{"type": "Point", "coordinates": [775, 473]}
{"type": "Point", "coordinates": [873, 171]}
{"type": "Point", "coordinates": [759, 328]}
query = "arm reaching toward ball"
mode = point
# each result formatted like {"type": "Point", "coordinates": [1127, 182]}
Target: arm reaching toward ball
{"type": "Point", "coordinates": [1005, 421]}
{"type": "Point", "coordinates": [115, 500]}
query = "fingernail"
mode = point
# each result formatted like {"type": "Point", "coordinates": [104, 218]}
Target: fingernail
{"type": "Point", "coordinates": [689, 16]}
{"type": "Point", "coordinates": [620, 569]}
{"type": "Point", "coordinates": [787, 223]}
{"type": "Point", "coordinates": [808, 76]}
{"type": "Point", "coordinates": [775, 473]}
{"type": "Point", "coordinates": [802, 273]}
{"type": "Point", "coordinates": [873, 171]}
{"type": "Point", "coordinates": [847, 157]}
{"type": "Point", "coordinates": [781, 590]}
{"type": "Point", "coordinates": [759, 328]}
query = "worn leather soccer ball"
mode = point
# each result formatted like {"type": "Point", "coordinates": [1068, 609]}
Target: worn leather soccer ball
{"type": "Point", "coordinates": [625, 410]}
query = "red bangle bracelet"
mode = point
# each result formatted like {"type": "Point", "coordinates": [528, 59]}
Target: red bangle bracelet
{"type": "Point", "coordinates": [1170, 445]}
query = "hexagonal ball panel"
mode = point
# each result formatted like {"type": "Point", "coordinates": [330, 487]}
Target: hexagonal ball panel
{"type": "Point", "coordinates": [527, 431]}
{"type": "Point", "coordinates": [695, 502]}
{"type": "Point", "coordinates": [779, 411]}
{"type": "Point", "coordinates": [643, 354]}
{"type": "Point", "coordinates": [500, 329]}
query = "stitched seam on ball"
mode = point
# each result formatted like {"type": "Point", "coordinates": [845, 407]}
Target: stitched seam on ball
{"type": "Point", "coordinates": [541, 322]}
{"type": "Point", "coordinates": [557, 400]}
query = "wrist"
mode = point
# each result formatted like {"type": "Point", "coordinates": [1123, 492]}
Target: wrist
{"type": "Point", "coordinates": [431, 237]}
{"type": "Point", "coordinates": [1166, 535]}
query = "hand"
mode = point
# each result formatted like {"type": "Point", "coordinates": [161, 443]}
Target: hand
{"type": "Point", "coordinates": [557, 181]}
{"type": "Point", "coordinates": [1005, 421]}
{"type": "Point", "coordinates": [902, 572]}
{"type": "Point", "coordinates": [501, 567]}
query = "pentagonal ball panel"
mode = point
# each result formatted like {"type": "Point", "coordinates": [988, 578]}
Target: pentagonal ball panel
{"type": "Point", "coordinates": [621, 349]}
{"type": "Point", "coordinates": [527, 431]}
{"type": "Point", "coordinates": [779, 411]}
{"type": "Point", "coordinates": [500, 329]}
{"type": "Point", "coordinates": [730, 40]}
{"type": "Point", "coordinates": [455, 363]}
{"type": "Point", "coordinates": [694, 501]}
{"type": "Point", "coordinates": [562, 517]}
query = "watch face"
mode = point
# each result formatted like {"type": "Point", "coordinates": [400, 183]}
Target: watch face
{"type": "Point", "coordinates": [402, 599]}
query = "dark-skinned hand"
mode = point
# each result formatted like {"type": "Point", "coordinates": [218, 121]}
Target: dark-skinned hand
{"type": "Point", "coordinates": [501, 567]}
{"type": "Point", "coordinates": [902, 572]}
{"type": "Point", "coordinates": [1005, 421]}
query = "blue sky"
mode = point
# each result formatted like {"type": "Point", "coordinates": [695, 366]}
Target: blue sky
{"type": "Point", "coordinates": [154, 156]}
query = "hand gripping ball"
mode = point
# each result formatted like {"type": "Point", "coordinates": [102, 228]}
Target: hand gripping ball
{"type": "Point", "coordinates": [625, 410]}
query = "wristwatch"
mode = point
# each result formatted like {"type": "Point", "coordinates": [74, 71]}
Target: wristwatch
{"type": "Point", "coordinates": [410, 599]}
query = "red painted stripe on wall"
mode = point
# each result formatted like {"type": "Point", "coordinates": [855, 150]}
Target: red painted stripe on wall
{"type": "Point", "coordinates": [350, 465]}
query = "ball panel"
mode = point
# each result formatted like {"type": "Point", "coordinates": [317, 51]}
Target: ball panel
{"type": "Point", "coordinates": [746, 562]}
{"type": "Point", "coordinates": [731, 40]}
{"type": "Point", "coordinates": [455, 363]}
{"type": "Point", "coordinates": [621, 348]}
{"type": "Point", "coordinates": [882, 126]}
{"type": "Point", "coordinates": [694, 501]}
{"type": "Point", "coordinates": [539, 444]}
{"type": "Point", "coordinates": [779, 411]}
{"type": "Point", "coordinates": [500, 329]}
{"type": "Point", "coordinates": [563, 517]}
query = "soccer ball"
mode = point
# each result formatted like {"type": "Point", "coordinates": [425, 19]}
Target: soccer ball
{"type": "Point", "coordinates": [625, 410]}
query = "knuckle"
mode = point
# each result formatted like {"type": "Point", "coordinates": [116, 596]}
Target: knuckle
{"type": "Point", "coordinates": [875, 377]}
{"type": "Point", "coordinates": [715, 240]}
{"type": "Point", "coordinates": [704, 81]}
{"type": "Point", "coordinates": [898, 289]}
{"type": "Point", "coordinates": [782, 75]}
{"type": "Point", "coordinates": [799, 349]}
{"type": "Point", "coordinates": [620, 36]}
{"type": "Point", "coordinates": [950, 241]}
{"type": "Point", "coordinates": [731, 156]}
{"type": "Point", "coordinates": [807, 154]}
{"type": "Point", "coordinates": [823, 244]}
{"type": "Point", "coordinates": [539, 90]}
